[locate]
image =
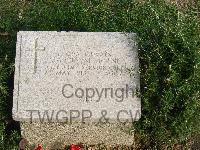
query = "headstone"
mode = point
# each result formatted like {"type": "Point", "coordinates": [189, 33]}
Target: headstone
{"type": "Point", "coordinates": [76, 76]}
{"type": "Point", "coordinates": [71, 77]}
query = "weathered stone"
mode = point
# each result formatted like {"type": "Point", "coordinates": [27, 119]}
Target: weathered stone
{"type": "Point", "coordinates": [76, 76]}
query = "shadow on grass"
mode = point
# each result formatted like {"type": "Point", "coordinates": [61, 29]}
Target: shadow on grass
{"type": "Point", "coordinates": [12, 126]}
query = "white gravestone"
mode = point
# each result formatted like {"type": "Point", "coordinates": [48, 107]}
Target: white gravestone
{"type": "Point", "coordinates": [76, 76]}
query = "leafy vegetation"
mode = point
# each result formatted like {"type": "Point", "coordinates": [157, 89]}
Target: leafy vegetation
{"type": "Point", "coordinates": [169, 52]}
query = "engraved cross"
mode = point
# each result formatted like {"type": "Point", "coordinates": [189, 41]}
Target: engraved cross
{"type": "Point", "coordinates": [36, 49]}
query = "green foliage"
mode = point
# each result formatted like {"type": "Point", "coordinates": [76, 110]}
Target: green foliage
{"type": "Point", "coordinates": [169, 46]}
{"type": "Point", "coordinates": [170, 57]}
{"type": "Point", "coordinates": [8, 137]}
{"type": "Point", "coordinates": [8, 143]}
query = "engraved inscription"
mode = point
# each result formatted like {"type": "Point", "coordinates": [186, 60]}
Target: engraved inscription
{"type": "Point", "coordinates": [36, 49]}
{"type": "Point", "coordinates": [80, 71]}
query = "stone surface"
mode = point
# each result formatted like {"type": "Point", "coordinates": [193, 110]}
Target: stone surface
{"type": "Point", "coordinates": [76, 76]}
{"type": "Point", "coordinates": [56, 135]}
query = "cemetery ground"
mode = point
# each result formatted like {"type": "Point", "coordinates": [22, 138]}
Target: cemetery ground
{"type": "Point", "coordinates": [169, 53]}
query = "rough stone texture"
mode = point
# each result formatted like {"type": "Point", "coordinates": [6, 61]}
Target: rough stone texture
{"type": "Point", "coordinates": [47, 62]}
{"type": "Point", "coordinates": [57, 136]}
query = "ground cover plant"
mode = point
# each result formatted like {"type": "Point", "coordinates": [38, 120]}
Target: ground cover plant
{"type": "Point", "coordinates": [169, 52]}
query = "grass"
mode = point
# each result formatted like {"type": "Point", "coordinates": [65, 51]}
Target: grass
{"type": "Point", "coordinates": [169, 45]}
